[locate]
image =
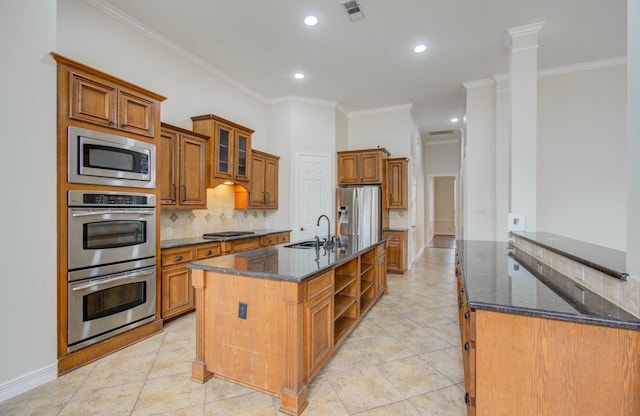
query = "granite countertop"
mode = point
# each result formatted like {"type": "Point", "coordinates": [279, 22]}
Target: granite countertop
{"type": "Point", "coordinates": [607, 260]}
{"type": "Point", "coordinates": [284, 263]}
{"type": "Point", "coordinates": [181, 242]}
{"type": "Point", "coordinates": [501, 278]}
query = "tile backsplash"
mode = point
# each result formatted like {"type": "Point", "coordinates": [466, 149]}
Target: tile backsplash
{"type": "Point", "coordinates": [625, 294]}
{"type": "Point", "coordinates": [220, 215]}
{"type": "Point", "coordinates": [399, 218]}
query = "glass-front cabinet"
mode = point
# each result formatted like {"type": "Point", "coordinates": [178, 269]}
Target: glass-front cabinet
{"type": "Point", "coordinates": [228, 153]}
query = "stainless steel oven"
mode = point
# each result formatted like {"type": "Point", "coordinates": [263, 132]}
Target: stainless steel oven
{"type": "Point", "coordinates": [107, 227]}
{"type": "Point", "coordinates": [106, 159]}
{"type": "Point", "coordinates": [106, 300]}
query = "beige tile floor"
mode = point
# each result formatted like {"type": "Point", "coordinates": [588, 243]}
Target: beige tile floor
{"type": "Point", "coordinates": [404, 358]}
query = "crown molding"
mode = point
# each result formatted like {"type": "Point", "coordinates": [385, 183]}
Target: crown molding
{"type": "Point", "coordinates": [139, 27]}
{"type": "Point", "coordinates": [380, 110]}
{"type": "Point", "coordinates": [603, 63]}
{"type": "Point", "coordinates": [303, 100]}
{"type": "Point", "coordinates": [478, 84]}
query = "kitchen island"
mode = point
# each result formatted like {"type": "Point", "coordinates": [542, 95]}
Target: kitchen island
{"type": "Point", "coordinates": [535, 342]}
{"type": "Point", "coordinates": [270, 318]}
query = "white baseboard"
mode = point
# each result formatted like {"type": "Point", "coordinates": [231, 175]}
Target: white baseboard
{"type": "Point", "coordinates": [28, 381]}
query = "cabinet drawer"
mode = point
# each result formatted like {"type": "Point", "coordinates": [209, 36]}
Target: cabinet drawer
{"type": "Point", "coordinates": [283, 238]}
{"type": "Point", "coordinates": [320, 286]}
{"type": "Point", "coordinates": [268, 240]}
{"type": "Point", "coordinates": [209, 250]}
{"type": "Point", "coordinates": [246, 244]}
{"type": "Point", "coordinates": [176, 256]}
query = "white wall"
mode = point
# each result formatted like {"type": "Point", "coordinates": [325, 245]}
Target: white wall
{"type": "Point", "coordinates": [390, 128]}
{"type": "Point", "coordinates": [28, 162]}
{"type": "Point", "coordinates": [582, 155]}
{"type": "Point", "coordinates": [633, 154]}
{"type": "Point", "coordinates": [479, 186]}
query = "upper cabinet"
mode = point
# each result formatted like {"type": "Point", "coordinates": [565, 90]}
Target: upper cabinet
{"type": "Point", "coordinates": [397, 182]}
{"type": "Point", "coordinates": [228, 151]}
{"type": "Point", "coordinates": [182, 168]}
{"type": "Point", "coordinates": [263, 188]}
{"type": "Point", "coordinates": [362, 166]}
{"type": "Point", "coordinates": [102, 100]}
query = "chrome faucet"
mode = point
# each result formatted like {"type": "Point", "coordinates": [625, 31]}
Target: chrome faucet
{"type": "Point", "coordinates": [328, 241]}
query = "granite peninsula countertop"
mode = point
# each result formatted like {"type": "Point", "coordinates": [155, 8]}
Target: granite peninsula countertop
{"type": "Point", "coordinates": [606, 260]}
{"type": "Point", "coordinates": [498, 277]}
{"type": "Point", "coordinates": [284, 263]}
{"type": "Point", "coordinates": [181, 242]}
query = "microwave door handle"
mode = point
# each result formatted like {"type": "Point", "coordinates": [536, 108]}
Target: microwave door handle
{"type": "Point", "coordinates": [113, 279]}
{"type": "Point", "coordinates": [89, 213]}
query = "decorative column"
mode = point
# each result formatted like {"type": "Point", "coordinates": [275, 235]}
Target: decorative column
{"type": "Point", "coordinates": [503, 156]}
{"type": "Point", "coordinates": [522, 43]}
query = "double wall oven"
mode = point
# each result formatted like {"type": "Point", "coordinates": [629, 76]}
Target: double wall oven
{"type": "Point", "coordinates": [111, 235]}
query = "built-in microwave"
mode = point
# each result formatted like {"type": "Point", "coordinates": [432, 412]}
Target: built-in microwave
{"type": "Point", "coordinates": [96, 157]}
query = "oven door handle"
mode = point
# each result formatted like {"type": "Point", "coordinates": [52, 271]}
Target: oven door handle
{"type": "Point", "coordinates": [113, 279]}
{"type": "Point", "coordinates": [89, 213]}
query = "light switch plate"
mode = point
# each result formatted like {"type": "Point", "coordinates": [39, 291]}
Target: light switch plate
{"type": "Point", "coordinates": [517, 222]}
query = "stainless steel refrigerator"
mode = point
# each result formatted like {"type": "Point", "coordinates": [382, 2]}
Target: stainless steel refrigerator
{"type": "Point", "coordinates": [359, 214]}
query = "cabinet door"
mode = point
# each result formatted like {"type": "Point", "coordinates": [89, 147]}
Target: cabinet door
{"type": "Point", "coordinates": [271, 182]}
{"type": "Point", "coordinates": [370, 168]}
{"type": "Point", "coordinates": [394, 256]}
{"type": "Point", "coordinates": [242, 155]}
{"type": "Point", "coordinates": [397, 183]}
{"type": "Point", "coordinates": [256, 186]}
{"type": "Point", "coordinates": [166, 171]}
{"type": "Point", "coordinates": [136, 113]}
{"type": "Point", "coordinates": [92, 101]}
{"type": "Point", "coordinates": [381, 271]}
{"type": "Point", "coordinates": [193, 171]}
{"type": "Point", "coordinates": [348, 169]}
{"type": "Point", "coordinates": [223, 163]}
{"type": "Point", "coordinates": [177, 292]}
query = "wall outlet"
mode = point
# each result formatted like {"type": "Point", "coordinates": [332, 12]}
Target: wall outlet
{"type": "Point", "coordinates": [516, 222]}
{"type": "Point", "coordinates": [242, 310]}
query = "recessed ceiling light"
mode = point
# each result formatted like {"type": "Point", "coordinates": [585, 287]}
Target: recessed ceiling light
{"type": "Point", "coordinates": [454, 120]}
{"type": "Point", "coordinates": [310, 20]}
{"type": "Point", "coordinates": [298, 75]}
{"type": "Point", "coordinates": [420, 48]}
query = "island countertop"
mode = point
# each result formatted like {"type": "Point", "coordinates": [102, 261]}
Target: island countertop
{"type": "Point", "coordinates": [498, 277]}
{"type": "Point", "coordinates": [285, 263]}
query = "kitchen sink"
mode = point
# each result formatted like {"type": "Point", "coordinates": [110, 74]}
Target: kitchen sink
{"type": "Point", "coordinates": [305, 244]}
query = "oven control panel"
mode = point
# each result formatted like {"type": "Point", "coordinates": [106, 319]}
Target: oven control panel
{"type": "Point", "coordinates": [116, 199]}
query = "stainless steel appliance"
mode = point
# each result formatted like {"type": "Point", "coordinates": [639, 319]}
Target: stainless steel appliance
{"type": "Point", "coordinates": [359, 213]}
{"type": "Point", "coordinates": [111, 264]}
{"type": "Point", "coordinates": [110, 227]}
{"type": "Point", "coordinates": [106, 159]}
{"type": "Point", "coordinates": [107, 300]}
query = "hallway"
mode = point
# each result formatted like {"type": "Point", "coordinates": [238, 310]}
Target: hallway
{"type": "Point", "coordinates": [404, 358]}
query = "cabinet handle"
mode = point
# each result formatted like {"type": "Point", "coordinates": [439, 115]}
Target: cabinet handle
{"type": "Point", "coordinates": [124, 124]}
{"type": "Point", "coordinates": [459, 302]}
{"type": "Point", "coordinates": [467, 398]}
{"type": "Point", "coordinates": [467, 346]}
{"type": "Point", "coordinates": [111, 122]}
{"type": "Point", "coordinates": [177, 258]}
{"type": "Point", "coordinates": [183, 197]}
{"type": "Point", "coordinates": [467, 315]}
{"type": "Point", "coordinates": [208, 253]}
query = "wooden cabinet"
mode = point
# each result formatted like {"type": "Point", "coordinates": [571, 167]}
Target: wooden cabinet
{"type": "Point", "coordinates": [228, 151]}
{"type": "Point", "coordinates": [177, 290]}
{"type": "Point", "coordinates": [181, 170]}
{"type": "Point", "coordinates": [396, 253]}
{"type": "Point", "coordinates": [263, 186]}
{"type": "Point", "coordinates": [318, 323]}
{"type": "Point", "coordinates": [98, 101]}
{"type": "Point", "coordinates": [529, 365]}
{"type": "Point", "coordinates": [273, 239]}
{"type": "Point", "coordinates": [397, 183]}
{"type": "Point", "coordinates": [362, 166]}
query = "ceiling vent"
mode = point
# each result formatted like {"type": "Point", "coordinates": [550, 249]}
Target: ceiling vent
{"type": "Point", "coordinates": [352, 7]}
{"type": "Point", "coordinates": [441, 132]}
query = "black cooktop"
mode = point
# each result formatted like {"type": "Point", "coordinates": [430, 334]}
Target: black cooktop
{"type": "Point", "coordinates": [227, 234]}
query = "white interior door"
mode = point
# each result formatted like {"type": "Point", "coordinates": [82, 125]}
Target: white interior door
{"type": "Point", "coordinates": [315, 196]}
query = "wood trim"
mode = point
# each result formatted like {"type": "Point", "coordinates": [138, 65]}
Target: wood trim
{"type": "Point", "coordinates": [222, 120]}
{"type": "Point", "coordinates": [77, 65]}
